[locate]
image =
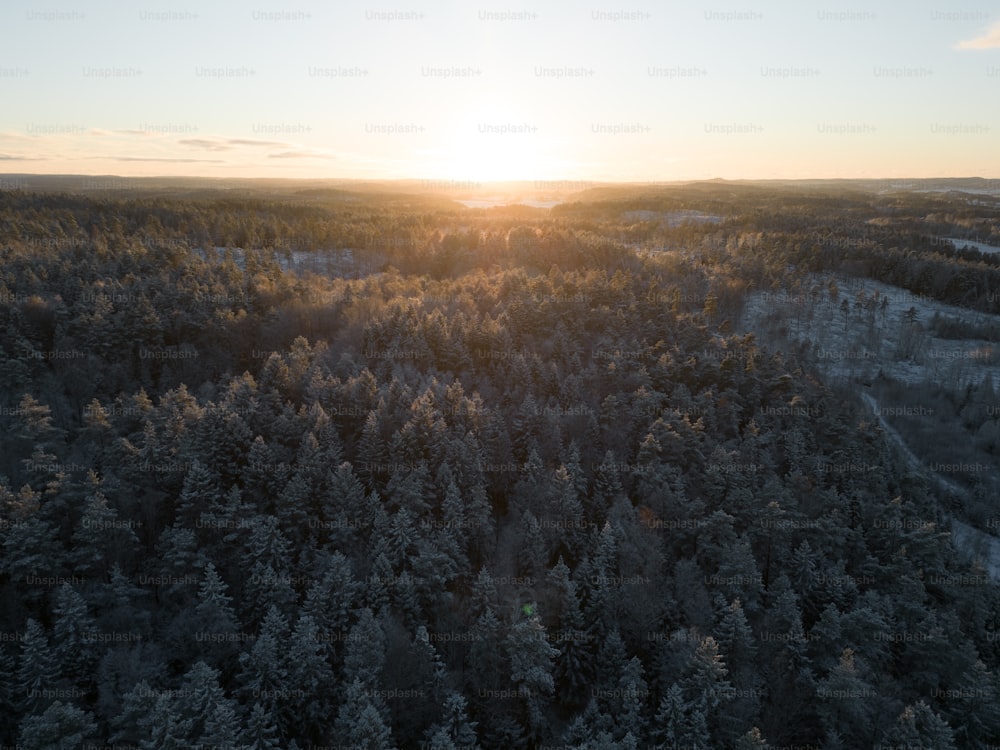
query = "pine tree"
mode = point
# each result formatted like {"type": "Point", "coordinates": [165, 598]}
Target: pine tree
{"type": "Point", "coordinates": [200, 491]}
{"type": "Point", "coordinates": [364, 656]}
{"type": "Point", "coordinates": [438, 739]}
{"type": "Point", "coordinates": [737, 647]}
{"type": "Point", "coordinates": [296, 505]}
{"type": "Point", "coordinates": [261, 732]}
{"type": "Point", "coordinates": [30, 543]}
{"type": "Point", "coordinates": [705, 685]}
{"type": "Point", "coordinates": [263, 675]}
{"type": "Point", "coordinates": [532, 553]}
{"type": "Point", "coordinates": [846, 701]}
{"type": "Point", "coordinates": [574, 666]}
{"type": "Point", "coordinates": [455, 536]}
{"type": "Point", "coordinates": [919, 728]}
{"type": "Point", "coordinates": [486, 656]}
{"type": "Point", "coordinates": [223, 726]}
{"type": "Point", "coordinates": [401, 538]}
{"type": "Point", "coordinates": [484, 594]}
{"type": "Point", "coordinates": [100, 538]}
{"type": "Point", "coordinates": [164, 727]}
{"type": "Point", "coordinates": [214, 617]}
{"type": "Point", "coordinates": [333, 596]}
{"type": "Point", "coordinates": [343, 509]}
{"type": "Point", "coordinates": [9, 698]}
{"type": "Point", "coordinates": [612, 659]}
{"type": "Point", "coordinates": [531, 667]}
{"type": "Point", "coordinates": [739, 576]}
{"type": "Point", "coordinates": [410, 489]}
{"type": "Point", "coordinates": [264, 476]}
{"type": "Point", "coordinates": [310, 679]}
{"type": "Point", "coordinates": [37, 670]}
{"type": "Point", "coordinates": [629, 703]}
{"type": "Point", "coordinates": [120, 606]}
{"type": "Point", "coordinates": [267, 545]}
{"type": "Point", "coordinates": [372, 450]}
{"type": "Point", "coordinates": [137, 707]}
{"type": "Point", "coordinates": [607, 485]}
{"type": "Point", "coordinates": [454, 726]}
{"type": "Point", "coordinates": [360, 723]}
{"type": "Point", "coordinates": [73, 624]}
{"type": "Point", "coordinates": [591, 727]}
{"type": "Point", "coordinates": [203, 709]}
{"type": "Point", "coordinates": [567, 507]}
{"type": "Point", "coordinates": [679, 722]}
{"type": "Point", "coordinates": [752, 740]}
{"type": "Point", "coordinates": [180, 562]}
{"type": "Point", "coordinates": [60, 726]}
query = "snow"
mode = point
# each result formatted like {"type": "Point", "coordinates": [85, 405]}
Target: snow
{"type": "Point", "coordinates": [332, 262]}
{"type": "Point", "coordinates": [491, 202]}
{"type": "Point", "coordinates": [863, 348]}
{"type": "Point", "coordinates": [969, 541]}
{"type": "Point", "coordinates": [671, 218]}
{"type": "Point", "coordinates": [866, 346]}
{"type": "Point", "coordinates": [981, 247]}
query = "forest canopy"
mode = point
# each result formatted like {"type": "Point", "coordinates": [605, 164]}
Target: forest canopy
{"type": "Point", "coordinates": [296, 471]}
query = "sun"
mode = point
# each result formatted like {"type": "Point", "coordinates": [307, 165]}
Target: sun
{"type": "Point", "coordinates": [494, 145]}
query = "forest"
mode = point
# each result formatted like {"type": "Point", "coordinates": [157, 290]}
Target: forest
{"type": "Point", "coordinates": [320, 468]}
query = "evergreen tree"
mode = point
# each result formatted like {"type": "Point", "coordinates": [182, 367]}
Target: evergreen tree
{"type": "Point", "coordinates": [30, 542]}
{"type": "Point", "coordinates": [680, 722]}
{"type": "Point", "coordinates": [333, 596]}
{"type": "Point", "coordinates": [752, 740]}
{"type": "Point", "coordinates": [180, 564]}
{"type": "Point", "coordinates": [359, 721]}
{"type": "Point", "coordinates": [101, 538]}
{"type": "Point", "coordinates": [200, 491]}
{"type": "Point", "coordinates": [214, 621]}
{"type": "Point", "coordinates": [364, 656]}
{"type": "Point", "coordinates": [203, 710]}
{"type": "Point", "coordinates": [531, 663]}
{"type": "Point", "coordinates": [629, 703]}
{"type": "Point", "coordinates": [263, 676]}
{"type": "Point", "coordinates": [37, 670]}
{"type": "Point", "coordinates": [261, 732]}
{"type": "Point", "coordinates": [74, 648]}
{"type": "Point", "coordinates": [919, 728]}
{"type": "Point", "coordinates": [454, 726]}
{"type": "Point", "coordinates": [138, 705]}
{"type": "Point", "coordinates": [164, 727]}
{"type": "Point", "coordinates": [846, 701]}
{"type": "Point", "coordinates": [61, 725]}
{"type": "Point", "coordinates": [310, 680]}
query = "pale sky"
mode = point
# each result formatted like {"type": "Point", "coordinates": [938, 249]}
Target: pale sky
{"type": "Point", "coordinates": [469, 91]}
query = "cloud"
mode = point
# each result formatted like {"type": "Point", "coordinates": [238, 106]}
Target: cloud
{"type": "Point", "coordinates": [226, 144]}
{"type": "Point", "coordinates": [153, 158]}
{"type": "Point", "coordinates": [210, 144]}
{"type": "Point", "coordinates": [300, 155]}
{"type": "Point", "coordinates": [989, 40]}
{"type": "Point", "coordinates": [9, 157]}
{"type": "Point", "coordinates": [251, 142]}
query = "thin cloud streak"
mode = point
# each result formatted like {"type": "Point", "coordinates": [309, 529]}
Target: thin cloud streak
{"type": "Point", "coordinates": [989, 40]}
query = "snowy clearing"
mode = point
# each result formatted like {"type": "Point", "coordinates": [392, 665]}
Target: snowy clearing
{"type": "Point", "coordinates": [874, 335]}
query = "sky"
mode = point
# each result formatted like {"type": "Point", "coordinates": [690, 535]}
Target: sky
{"type": "Point", "coordinates": [468, 92]}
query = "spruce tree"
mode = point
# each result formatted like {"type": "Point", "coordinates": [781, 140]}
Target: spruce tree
{"type": "Point", "coordinates": [61, 725]}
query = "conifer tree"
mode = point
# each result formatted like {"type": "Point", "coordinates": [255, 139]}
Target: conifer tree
{"type": "Point", "coordinates": [359, 721]}
{"type": "Point", "coordinates": [72, 632]}
{"type": "Point", "coordinates": [37, 670]}
{"type": "Point", "coordinates": [61, 725]}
